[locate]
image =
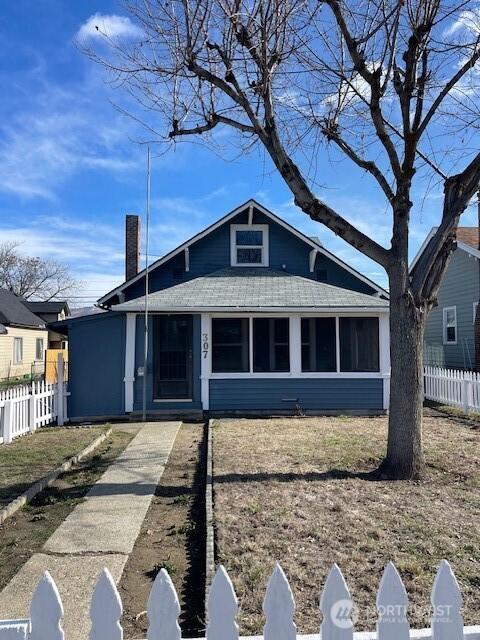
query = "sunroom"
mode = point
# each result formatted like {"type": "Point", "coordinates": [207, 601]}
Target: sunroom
{"type": "Point", "coordinates": [257, 340]}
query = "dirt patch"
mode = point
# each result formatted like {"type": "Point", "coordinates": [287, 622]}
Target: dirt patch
{"type": "Point", "coordinates": [25, 533]}
{"type": "Point", "coordinates": [297, 491]}
{"type": "Point", "coordinates": [172, 537]}
{"type": "Point", "coordinates": [31, 457]}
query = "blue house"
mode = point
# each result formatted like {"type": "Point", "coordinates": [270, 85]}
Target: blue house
{"type": "Point", "coordinates": [248, 316]}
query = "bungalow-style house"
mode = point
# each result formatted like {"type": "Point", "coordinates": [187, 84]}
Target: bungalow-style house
{"type": "Point", "coordinates": [51, 311]}
{"type": "Point", "coordinates": [450, 332]}
{"type": "Point", "coordinates": [248, 316]}
{"type": "Point", "coordinates": [23, 339]}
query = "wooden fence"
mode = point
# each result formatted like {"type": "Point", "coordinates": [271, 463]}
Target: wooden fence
{"type": "Point", "coordinates": [453, 387]}
{"type": "Point", "coordinates": [24, 408]}
{"type": "Point", "coordinates": [338, 611]}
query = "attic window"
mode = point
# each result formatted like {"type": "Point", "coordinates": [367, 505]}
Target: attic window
{"type": "Point", "coordinates": [249, 245]}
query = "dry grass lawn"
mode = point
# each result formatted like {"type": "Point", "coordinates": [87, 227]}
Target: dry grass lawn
{"type": "Point", "coordinates": [292, 490]}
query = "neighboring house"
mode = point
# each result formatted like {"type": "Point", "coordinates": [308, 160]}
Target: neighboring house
{"type": "Point", "coordinates": [450, 332]}
{"type": "Point", "coordinates": [23, 339]}
{"type": "Point", "coordinates": [250, 315]}
{"type": "Point", "coordinates": [51, 311]}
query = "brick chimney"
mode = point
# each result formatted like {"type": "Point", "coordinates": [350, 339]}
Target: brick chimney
{"type": "Point", "coordinates": [132, 245]}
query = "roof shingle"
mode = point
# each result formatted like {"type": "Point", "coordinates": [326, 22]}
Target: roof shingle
{"type": "Point", "coordinates": [468, 235]}
{"type": "Point", "coordinates": [13, 311]}
{"type": "Point", "coordinates": [252, 288]}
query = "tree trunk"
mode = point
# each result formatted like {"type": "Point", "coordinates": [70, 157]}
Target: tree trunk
{"type": "Point", "coordinates": [404, 459]}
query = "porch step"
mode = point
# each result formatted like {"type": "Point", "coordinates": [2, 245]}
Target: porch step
{"type": "Point", "coordinates": [171, 414]}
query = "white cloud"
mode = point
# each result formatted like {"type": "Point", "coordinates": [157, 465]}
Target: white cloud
{"type": "Point", "coordinates": [468, 20]}
{"type": "Point", "coordinates": [59, 133]}
{"type": "Point", "coordinates": [113, 27]}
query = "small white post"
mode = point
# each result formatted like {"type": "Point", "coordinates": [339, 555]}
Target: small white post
{"type": "Point", "coordinates": [31, 409]}
{"type": "Point", "coordinates": [392, 603]}
{"type": "Point", "coordinates": [8, 422]}
{"type": "Point", "coordinates": [60, 390]}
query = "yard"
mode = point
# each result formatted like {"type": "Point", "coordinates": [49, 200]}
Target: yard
{"type": "Point", "coordinates": [28, 459]}
{"type": "Point", "coordinates": [297, 490]}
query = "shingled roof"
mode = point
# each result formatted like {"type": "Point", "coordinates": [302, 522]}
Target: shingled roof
{"type": "Point", "coordinates": [252, 288]}
{"type": "Point", "coordinates": [468, 235]}
{"type": "Point", "coordinates": [14, 312]}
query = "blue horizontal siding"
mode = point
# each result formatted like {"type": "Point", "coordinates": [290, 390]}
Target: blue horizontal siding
{"type": "Point", "coordinates": [314, 394]}
{"type": "Point", "coordinates": [212, 252]}
{"type": "Point", "coordinates": [96, 348]}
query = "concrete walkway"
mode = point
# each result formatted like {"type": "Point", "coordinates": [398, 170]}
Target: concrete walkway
{"type": "Point", "coordinates": [100, 532]}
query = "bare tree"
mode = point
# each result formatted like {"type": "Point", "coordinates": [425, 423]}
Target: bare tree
{"type": "Point", "coordinates": [390, 84]}
{"type": "Point", "coordinates": [34, 278]}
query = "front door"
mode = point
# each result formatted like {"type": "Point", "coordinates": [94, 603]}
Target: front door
{"type": "Point", "coordinates": [172, 345]}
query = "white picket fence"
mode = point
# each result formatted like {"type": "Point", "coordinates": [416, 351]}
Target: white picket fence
{"type": "Point", "coordinates": [453, 387]}
{"type": "Point", "coordinates": [338, 611]}
{"type": "Point", "coordinates": [24, 408]}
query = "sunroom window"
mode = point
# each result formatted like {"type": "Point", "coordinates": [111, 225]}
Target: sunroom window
{"type": "Point", "coordinates": [319, 344]}
{"type": "Point", "coordinates": [249, 245]}
{"type": "Point", "coordinates": [359, 344]}
{"type": "Point", "coordinates": [271, 345]}
{"type": "Point", "coordinates": [230, 345]}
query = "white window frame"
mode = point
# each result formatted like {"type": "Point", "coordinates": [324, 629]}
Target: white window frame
{"type": "Point", "coordinates": [445, 326]}
{"type": "Point", "coordinates": [295, 347]}
{"type": "Point", "coordinates": [475, 305]}
{"type": "Point", "coordinates": [263, 247]}
{"type": "Point", "coordinates": [17, 340]}
{"type": "Point", "coordinates": [42, 357]}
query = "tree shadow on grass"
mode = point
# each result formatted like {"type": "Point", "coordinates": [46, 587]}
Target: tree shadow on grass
{"type": "Point", "coordinates": [311, 476]}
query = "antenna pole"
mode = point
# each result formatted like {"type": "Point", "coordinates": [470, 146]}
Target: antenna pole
{"type": "Point", "coordinates": [145, 346]}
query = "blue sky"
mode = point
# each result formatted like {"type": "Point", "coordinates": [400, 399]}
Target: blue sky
{"type": "Point", "coordinates": [71, 165]}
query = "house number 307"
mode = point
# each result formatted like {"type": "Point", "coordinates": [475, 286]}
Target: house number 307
{"type": "Point", "coordinates": [205, 345]}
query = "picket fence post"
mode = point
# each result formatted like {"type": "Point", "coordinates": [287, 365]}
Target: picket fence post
{"type": "Point", "coordinates": [392, 603]}
{"type": "Point", "coordinates": [60, 390]}
{"type": "Point", "coordinates": [163, 609]}
{"type": "Point", "coordinates": [337, 607]}
{"type": "Point", "coordinates": [222, 608]}
{"type": "Point", "coordinates": [106, 609]}
{"type": "Point", "coordinates": [447, 622]}
{"type": "Point", "coordinates": [46, 611]}
{"type": "Point", "coordinates": [8, 422]}
{"type": "Point", "coordinates": [32, 405]}
{"type": "Point", "coordinates": [279, 607]}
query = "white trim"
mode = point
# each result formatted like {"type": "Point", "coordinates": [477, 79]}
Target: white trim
{"type": "Point", "coordinates": [384, 357]}
{"type": "Point", "coordinates": [205, 355]}
{"type": "Point", "coordinates": [475, 305]}
{"type": "Point", "coordinates": [325, 311]}
{"type": "Point", "coordinates": [250, 215]}
{"type": "Point", "coordinates": [304, 374]}
{"type": "Point", "coordinates": [129, 361]}
{"type": "Point", "coordinates": [263, 247]}
{"type": "Point", "coordinates": [187, 259]}
{"type": "Point", "coordinates": [445, 326]}
{"type": "Point", "coordinates": [312, 258]}
{"type": "Point", "coordinates": [296, 351]}
{"type": "Point", "coordinates": [226, 218]}
{"type": "Point", "coordinates": [295, 345]}
{"type": "Point", "coordinates": [337, 344]}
